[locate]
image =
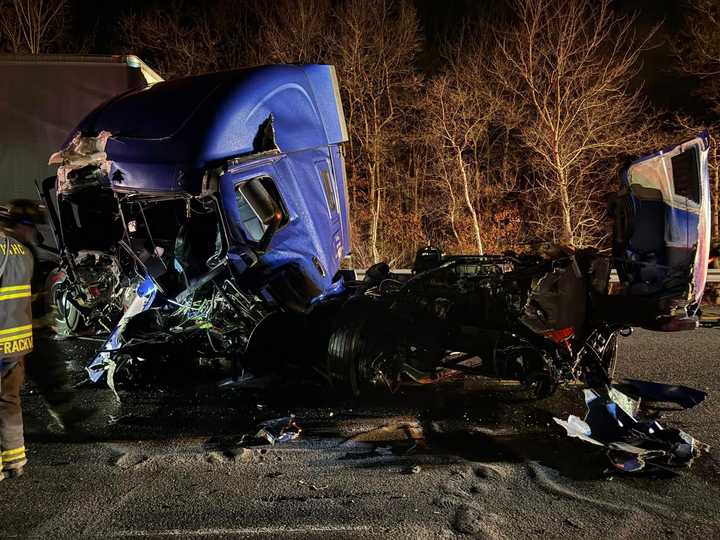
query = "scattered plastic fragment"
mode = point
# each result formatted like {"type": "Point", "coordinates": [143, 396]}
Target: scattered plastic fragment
{"type": "Point", "coordinates": [279, 430]}
{"type": "Point", "coordinates": [576, 427]}
{"type": "Point", "coordinates": [633, 444]}
{"type": "Point", "coordinates": [244, 380]}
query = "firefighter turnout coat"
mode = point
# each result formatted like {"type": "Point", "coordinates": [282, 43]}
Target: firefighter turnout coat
{"type": "Point", "coordinates": [16, 270]}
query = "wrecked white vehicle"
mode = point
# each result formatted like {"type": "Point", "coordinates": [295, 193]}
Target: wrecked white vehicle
{"type": "Point", "coordinates": [550, 319]}
{"type": "Point", "coordinates": [541, 319]}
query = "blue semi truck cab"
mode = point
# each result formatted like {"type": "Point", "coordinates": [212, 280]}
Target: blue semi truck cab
{"type": "Point", "coordinates": [215, 200]}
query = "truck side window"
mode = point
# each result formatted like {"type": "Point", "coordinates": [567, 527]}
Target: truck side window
{"type": "Point", "coordinates": [258, 200]}
{"type": "Point", "coordinates": [686, 179]}
{"type": "Point", "coordinates": [328, 188]}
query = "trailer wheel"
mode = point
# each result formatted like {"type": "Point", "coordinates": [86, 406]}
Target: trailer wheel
{"type": "Point", "coordinates": [361, 350]}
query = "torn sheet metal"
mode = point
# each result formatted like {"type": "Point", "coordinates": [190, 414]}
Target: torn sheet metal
{"type": "Point", "coordinates": [103, 364]}
{"type": "Point", "coordinates": [279, 430]}
{"type": "Point", "coordinates": [633, 444]}
{"type": "Point", "coordinates": [80, 152]}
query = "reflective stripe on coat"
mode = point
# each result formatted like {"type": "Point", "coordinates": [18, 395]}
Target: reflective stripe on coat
{"type": "Point", "coordinates": [16, 270]}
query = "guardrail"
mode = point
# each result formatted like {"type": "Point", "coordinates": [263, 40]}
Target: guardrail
{"type": "Point", "coordinates": [713, 275]}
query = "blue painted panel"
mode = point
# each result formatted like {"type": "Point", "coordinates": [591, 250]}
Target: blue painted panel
{"type": "Point", "coordinates": [166, 134]}
{"type": "Point", "coordinates": [681, 229]}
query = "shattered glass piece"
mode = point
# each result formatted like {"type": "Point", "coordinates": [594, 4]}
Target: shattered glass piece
{"type": "Point", "coordinates": [237, 382]}
{"type": "Point", "coordinates": [288, 436]}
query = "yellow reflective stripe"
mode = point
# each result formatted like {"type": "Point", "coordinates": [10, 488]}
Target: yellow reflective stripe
{"type": "Point", "coordinates": [16, 295]}
{"type": "Point", "coordinates": [16, 329]}
{"type": "Point", "coordinates": [13, 338]}
{"type": "Point", "coordinates": [9, 454]}
{"type": "Point", "coordinates": [15, 288]}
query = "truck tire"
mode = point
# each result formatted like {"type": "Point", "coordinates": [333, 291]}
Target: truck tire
{"type": "Point", "coordinates": [68, 319]}
{"type": "Point", "coordinates": [358, 340]}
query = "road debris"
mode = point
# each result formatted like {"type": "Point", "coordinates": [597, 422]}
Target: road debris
{"type": "Point", "coordinates": [215, 458]}
{"type": "Point", "coordinates": [127, 460]}
{"type": "Point", "coordinates": [632, 444]}
{"type": "Point", "coordinates": [242, 455]}
{"type": "Point", "coordinates": [314, 487]}
{"type": "Point", "coordinates": [649, 391]}
{"type": "Point", "coordinates": [279, 430]}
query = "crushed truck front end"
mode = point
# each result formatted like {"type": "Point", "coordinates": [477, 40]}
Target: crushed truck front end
{"type": "Point", "coordinates": [226, 191]}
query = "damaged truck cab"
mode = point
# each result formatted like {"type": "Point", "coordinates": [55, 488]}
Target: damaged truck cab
{"type": "Point", "coordinates": [213, 201]}
{"type": "Point", "coordinates": [661, 241]}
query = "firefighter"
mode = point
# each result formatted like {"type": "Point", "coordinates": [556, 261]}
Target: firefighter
{"type": "Point", "coordinates": [16, 341]}
{"type": "Point", "coordinates": [45, 366]}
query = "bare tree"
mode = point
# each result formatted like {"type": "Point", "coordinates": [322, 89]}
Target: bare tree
{"type": "Point", "coordinates": [564, 70]}
{"type": "Point", "coordinates": [698, 49]}
{"type": "Point", "coordinates": [374, 46]}
{"type": "Point", "coordinates": [177, 41]}
{"type": "Point", "coordinates": [291, 31]}
{"type": "Point", "coordinates": [10, 31]}
{"type": "Point", "coordinates": [472, 154]}
{"type": "Point", "coordinates": [698, 53]}
{"type": "Point", "coordinates": [32, 26]}
{"type": "Point", "coordinates": [459, 117]}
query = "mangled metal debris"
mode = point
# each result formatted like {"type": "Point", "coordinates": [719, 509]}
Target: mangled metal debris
{"type": "Point", "coordinates": [81, 161]}
{"type": "Point", "coordinates": [634, 444]}
{"type": "Point", "coordinates": [279, 430]}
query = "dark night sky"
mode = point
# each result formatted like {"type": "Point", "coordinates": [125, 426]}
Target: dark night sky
{"type": "Point", "coordinates": [666, 89]}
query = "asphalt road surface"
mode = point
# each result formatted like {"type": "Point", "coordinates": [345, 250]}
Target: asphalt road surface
{"type": "Point", "coordinates": [460, 459]}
